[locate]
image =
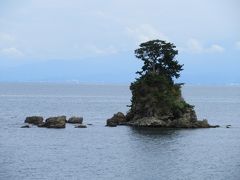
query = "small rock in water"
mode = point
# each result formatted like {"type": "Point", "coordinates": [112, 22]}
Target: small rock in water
{"type": "Point", "coordinates": [214, 126]}
{"type": "Point", "coordinates": [36, 120]}
{"type": "Point", "coordinates": [54, 122]}
{"type": "Point", "coordinates": [117, 119]}
{"type": "Point", "coordinates": [112, 125]}
{"type": "Point", "coordinates": [81, 126]}
{"type": "Point", "coordinates": [228, 126]}
{"type": "Point", "coordinates": [75, 120]}
{"type": "Point", "coordinates": [41, 125]}
{"type": "Point", "coordinates": [25, 126]}
{"type": "Point", "coordinates": [90, 124]}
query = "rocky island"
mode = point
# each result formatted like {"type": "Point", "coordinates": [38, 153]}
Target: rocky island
{"type": "Point", "coordinates": [156, 99]}
{"type": "Point", "coordinates": [57, 122]}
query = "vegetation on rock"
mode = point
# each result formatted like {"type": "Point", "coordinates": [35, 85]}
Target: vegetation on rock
{"type": "Point", "coordinates": [154, 93]}
{"type": "Point", "coordinates": [156, 98]}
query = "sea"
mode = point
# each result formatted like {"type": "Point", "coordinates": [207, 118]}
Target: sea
{"type": "Point", "coordinates": [100, 152]}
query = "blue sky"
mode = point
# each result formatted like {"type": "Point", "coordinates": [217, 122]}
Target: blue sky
{"type": "Point", "coordinates": [93, 41]}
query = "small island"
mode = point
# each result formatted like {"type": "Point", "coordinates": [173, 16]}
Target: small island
{"type": "Point", "coordinates": [156, 99]}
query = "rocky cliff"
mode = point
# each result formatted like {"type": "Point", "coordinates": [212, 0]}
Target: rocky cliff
{"type": "Point", "coordinates": [157, 102]}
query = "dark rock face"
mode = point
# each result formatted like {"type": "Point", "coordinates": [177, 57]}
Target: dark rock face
{"type": "Point", "coordinates": [158, 102]}
{"type": "Point", "coordinates": [187, 120]}
{"type": "Point", "coordinates": [178, 123]}
{"type": "Point", "coordinates": [112, 125]}
{"type": "Point", "coordinates": [75, 120]}
{"type": "Point", "coordinates": [117, 119]}
{"type": "Point", "coordinates": [54, 122]}
{"type": "Point", "coordinates": [25, 126]}
{"type": "Point", "coordinates": [80, 126]}
{"type": "Point", "coordinates": [36, 120]}
{"type": "Point", "coordinates": [214, 126]}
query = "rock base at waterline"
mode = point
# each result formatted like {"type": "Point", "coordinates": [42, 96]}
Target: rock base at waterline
{"type": "Point", "coordinates": [187, 121]}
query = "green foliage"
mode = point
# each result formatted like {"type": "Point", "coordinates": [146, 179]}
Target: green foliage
{"type": "Point", "coordinates": [159, 58]}
{"type": "Point", "coordinates": [154, 93]}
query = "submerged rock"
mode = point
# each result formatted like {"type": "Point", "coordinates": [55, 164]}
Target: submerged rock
{"type": "Point", "coordinates": [117, 119]}
{"type": "Point", "coordinates": [75, 120]}
{"type": "Point", "coordinates": [81, 126]}
{"type": "Point", "coordinates": [112, 125]}
{"type": "Point", "coordinates": [54, 122]}
{"type": "Point", "coordinates": [214, 126]}
{"type": "Point", "coordinates": [36, 120]}
{"type": "Point", "coordinates": [25, 126]}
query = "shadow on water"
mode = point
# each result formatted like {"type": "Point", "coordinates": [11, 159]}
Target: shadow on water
{"type": "Point", "coordinates": [159, 133]}
{"type": "Point", "coordinates": [155, 140]}
{"type": "Point", "coordinates": [156, 131]}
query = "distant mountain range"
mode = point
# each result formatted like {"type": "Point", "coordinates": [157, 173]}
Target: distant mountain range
{"type": "Point", "coordinates": [222, 68]}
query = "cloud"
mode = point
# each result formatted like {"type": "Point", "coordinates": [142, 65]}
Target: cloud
{"type": "Point", "coordinates": [195, 46]}
{"type": "Point", "coordinates": [7, 43]}
{"type": "Point", "coordinates": [215, 48]}
{"type": "Point", "coordinates": [145, 32]}
{"type": "Point", "coordinates": [11, 52]}
{"type": "Point", "coordinates": [237, 45]}
{"type": "Point", "coordinates": [6, 40]}
{"type": "Point", "coordinates": [5, 37]}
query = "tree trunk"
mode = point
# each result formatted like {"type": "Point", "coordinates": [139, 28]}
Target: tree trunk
{"type": "Point", "coordinates": [153, 68]}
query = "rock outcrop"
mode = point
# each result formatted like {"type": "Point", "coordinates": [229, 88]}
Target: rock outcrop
{"type": "Point", "coordinates": [188, 120]}
{"type": "Point", "coordinates": [178, 123]}
{"type": "Point", "coordinates": [75, 120]}
{"type": "Point", "coordinates": [157, 102]}
{"type": "Point", "coordinates": [57, 122]}
{"type": "Point", "coordinates": [35, 120]}
{"type": "Point", "coordinates": [54, 122]}
{"type": "Point", "coordinates": [117, 119]}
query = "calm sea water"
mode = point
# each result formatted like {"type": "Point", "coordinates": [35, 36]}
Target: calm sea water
{"type": "Point", "coordinates": [100, 152]}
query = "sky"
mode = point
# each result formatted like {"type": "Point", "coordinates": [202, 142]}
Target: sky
{"type": "Point", "coordinates": [93, 41]}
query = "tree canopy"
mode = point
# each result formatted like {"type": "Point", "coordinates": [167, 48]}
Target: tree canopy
{"type": "Point", "coordinates": [159, 59]}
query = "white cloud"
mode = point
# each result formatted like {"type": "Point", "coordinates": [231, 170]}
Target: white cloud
{"type": "Point", "coordinates": [6, 40]}
{"type": "Point", "coordinates": [145, 32]}
{"type": "Point", "coordinates": [237, 45]}
{"type": "Point", "coordinates": [5, 37]}
{"type": "Point", "coordinates": [195, 46]}
{"type": "Point", "coordinates": [215, 48]}
{"type": "Point", "coordinates": [11, 52]}
{"type": "Point", "coordinates": [7, 43]}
